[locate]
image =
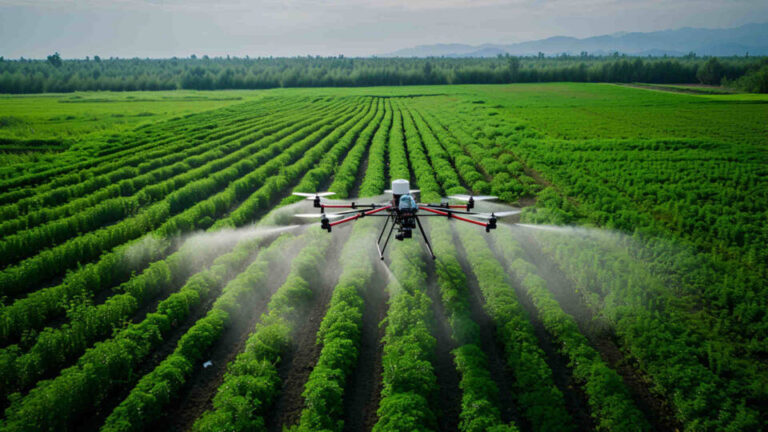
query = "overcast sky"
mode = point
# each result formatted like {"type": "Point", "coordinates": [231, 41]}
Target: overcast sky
{"type": "Point", "coordinates": [166, 28]}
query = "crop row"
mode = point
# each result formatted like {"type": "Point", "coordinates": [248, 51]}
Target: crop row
{"type": "Point", "coordinates": [409, 381]}
{"type": "Point", "coordinates": [252, 383]}
{"type": "Point", "coordinates": [439, 159]}
{"type": "Point", "coordinates": [113, 312]}
{"type": "Point", "coordinates": [465, 166]}
{"type": "Point", "coordinates": [139, 177]}
{"type": "Point", "coordinates": [508, 179]}
{"type": "Point", "coordinates": [609, 400]}
{"type": "Point", "coordinates": [35, 308]}
{"type": "Point", "coordinates": [479, 400]}
{"type": "Point", "coordinates": [143, 138]}
{"type": "Point", "coordinates": [374, 182]}
{"type": "Point", "coordinates": [52, 262]}
{"type": "Point", "coordinates": [55, 404]}
{"type": "Point", "coordinates": [420, 166]}
{"type": "Point", "coordinates": [345, 177]}
{"type": "Point", "coordinates": [318, 174]}
{"type": "Point", "coordinates": [339, 337]}
{"type": "Point", "coordinates": [540, 401]}
{"type": "Point", "coordinates": [398, 157]}
{"type": "Point", "coordinates": [171, 178]}
{"type": "Point", "coordinates": [93, 174]}
{"type": "Point", "coordinates": [709, 388]}
{"type": "Point", "coordinates": [57, 347]}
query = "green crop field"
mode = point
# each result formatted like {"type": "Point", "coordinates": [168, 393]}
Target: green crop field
{"type": "Point", "coordinates": [152, 277]}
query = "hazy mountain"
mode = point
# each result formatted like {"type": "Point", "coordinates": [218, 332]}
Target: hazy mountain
{"type": "Point", "coordinates": [752, 38]}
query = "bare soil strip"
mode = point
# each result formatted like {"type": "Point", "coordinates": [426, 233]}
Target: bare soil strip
{"type": "Point", "coordinates": [601, 337]}
{"type": "Point", "coordinates": [363, 390]}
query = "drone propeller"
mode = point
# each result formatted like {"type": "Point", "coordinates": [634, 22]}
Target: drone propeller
{"type": "Point", "coordinates": [314, 195]}
{"type": "Point", "coordinates": [316, 215]}
{"type": "Point", "coordinates": [472, 197]}
{"type": "Point", "coordinates": [495, 215]}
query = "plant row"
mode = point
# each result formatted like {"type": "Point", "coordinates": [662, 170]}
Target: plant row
{"type": "Point", "coordinates": [398, 157]}
{"type": "Point", "coordinates": [346, 175]}
{"type": "Point", "coordinates": [609, 400]}
{"type": "Point", "coordinates": [420, 165]}
{"type": "Point", "coordinates": [52, 262]}
{"type": "Point", "coordinates": [94, 173]}
{"type": "Point", "coordinates": [540, 401]}
{"type": "Point", "coordinates": [439, 159]}
{"type": "Point", "coordinates": [143, 138]}
{"type": "Point", "coordinates": [709, 388]}
{"type": "Point", "coordinates": [318, 175]}
{"type": "Point", "coordinates": [479, 397]}
{"type": "Point", "coordinates": [408, 378]}
{"type": "Point", "coordinates": [339, 337]}
{"type": "Point", "coordinates": [252, 383]}
{"type": "Point", "coordinates": [35, 309]}
{"type": "Point", "coordinates": [56, 347]}
{"type": "Point", "coordinates": [139, 178]}
{"type": "Point", "coordinates": [465, 166]}
{"type": "Point", "coordinates": [171, 178]}
{"type": "Point", "coordinates": [58, 403]}
{"type": "Point", "coordinates": [338, 134]}
{"type": "Point", "coordinates": [374, 182]}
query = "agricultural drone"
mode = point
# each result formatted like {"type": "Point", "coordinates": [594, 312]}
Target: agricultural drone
{"type": "Point", "coordinates": [402, 212]}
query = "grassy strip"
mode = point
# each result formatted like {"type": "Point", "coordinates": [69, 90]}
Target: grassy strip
{"type": "Point", "coordinates": [251, 383]}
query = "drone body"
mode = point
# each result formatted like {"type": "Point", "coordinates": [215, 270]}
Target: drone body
{"type": "Point", "coordinates": [402, 213]}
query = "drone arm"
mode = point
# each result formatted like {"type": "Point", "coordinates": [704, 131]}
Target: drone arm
{"type": "Point", "coordinates": [454, 216]}
{"type": "Point", "coordinates": [359, 215]}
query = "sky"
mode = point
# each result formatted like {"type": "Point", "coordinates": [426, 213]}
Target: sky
{"type": "Point", "coordinates": [167, 28]}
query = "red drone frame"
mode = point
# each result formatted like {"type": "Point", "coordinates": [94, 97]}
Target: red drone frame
{"type": "Point", "coordinates": [402, 211]}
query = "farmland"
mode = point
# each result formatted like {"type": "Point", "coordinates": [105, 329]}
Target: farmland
{"type": "Point", "coordinates": [153, 279]}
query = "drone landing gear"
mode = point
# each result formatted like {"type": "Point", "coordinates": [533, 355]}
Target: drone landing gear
{"type": "Point", "coordinates": [386, 241]}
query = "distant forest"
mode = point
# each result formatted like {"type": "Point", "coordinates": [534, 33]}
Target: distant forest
{"type": "Point", "coordinates": [58, 75]}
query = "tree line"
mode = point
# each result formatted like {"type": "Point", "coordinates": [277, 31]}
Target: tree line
{"type": "Point", "coordinates": [57, 75]}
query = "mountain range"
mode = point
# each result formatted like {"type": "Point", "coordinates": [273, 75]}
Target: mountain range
{"type": "Point", "coordinates": [749, 38]}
